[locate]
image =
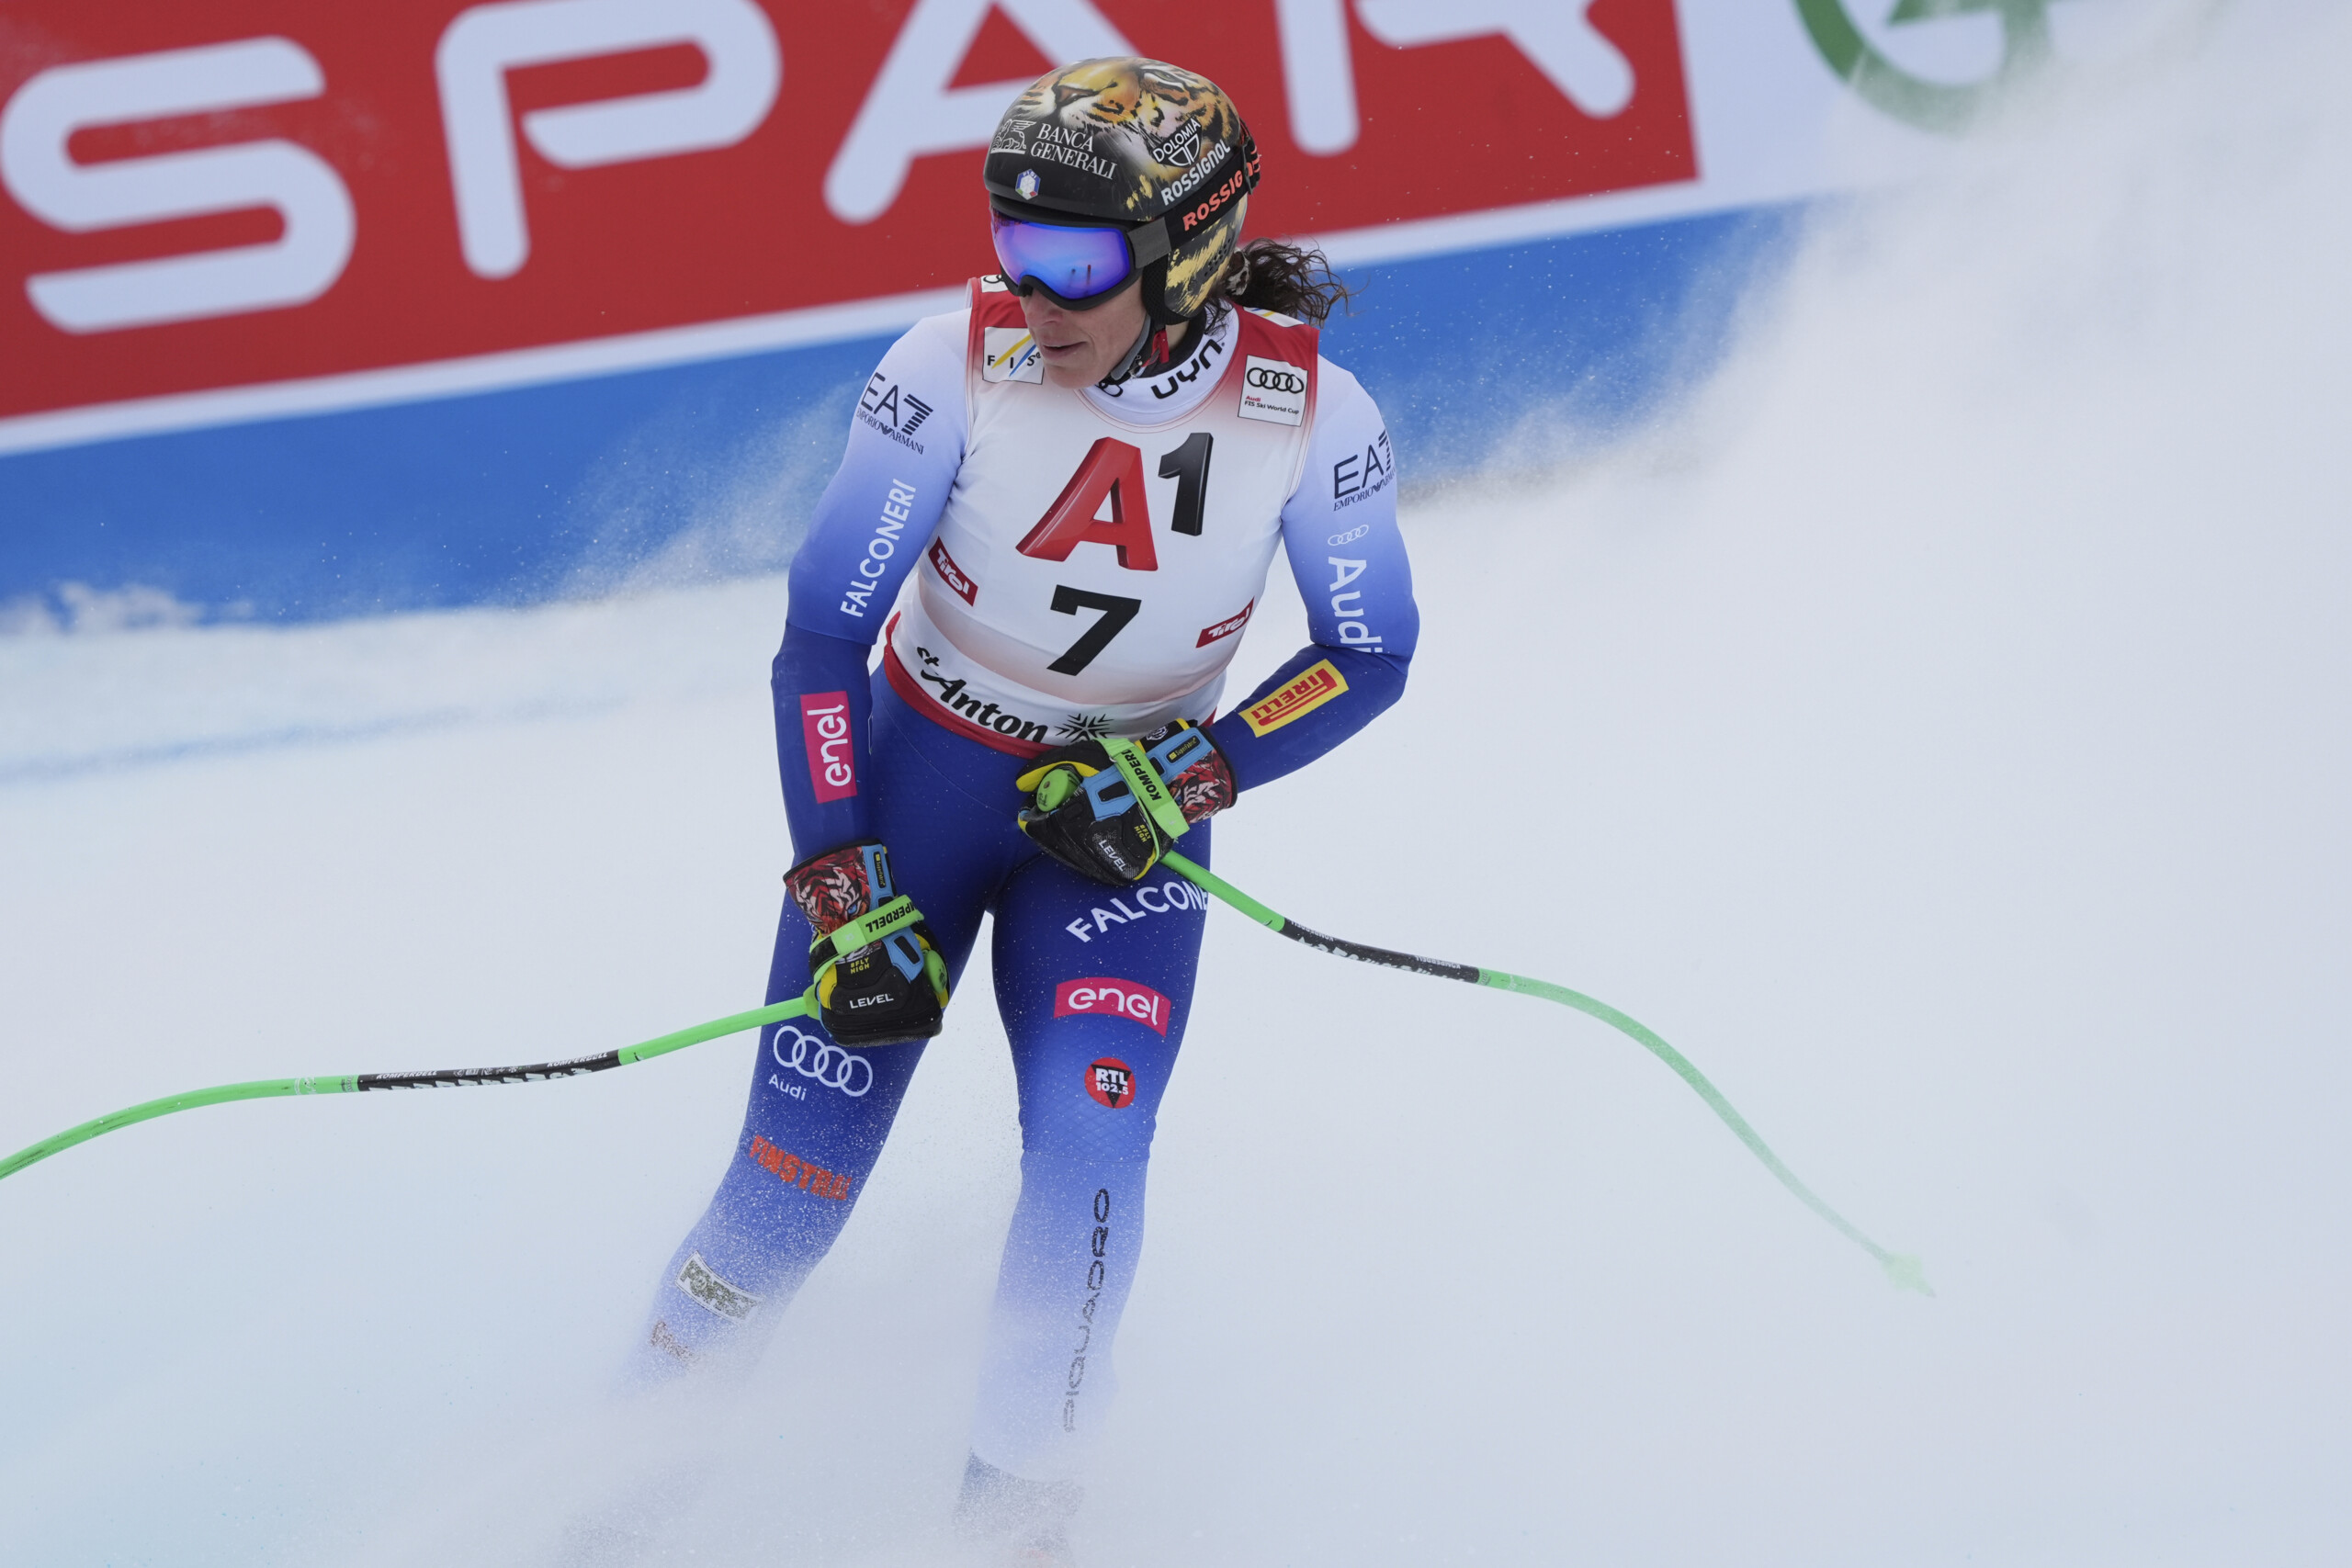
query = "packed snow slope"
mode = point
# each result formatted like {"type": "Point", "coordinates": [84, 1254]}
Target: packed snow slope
{"type": "Point", "coordinates": [1940, 734]}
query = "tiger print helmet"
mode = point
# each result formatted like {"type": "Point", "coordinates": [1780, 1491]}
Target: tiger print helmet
{"type": "Point", "coordinates": [1141, 143]}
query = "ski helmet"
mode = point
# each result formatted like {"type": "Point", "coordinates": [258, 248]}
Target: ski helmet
{"type": "Point", "coordinates": [1150, 147]}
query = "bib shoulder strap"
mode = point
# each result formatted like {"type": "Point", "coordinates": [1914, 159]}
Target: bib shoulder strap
{"type": "Point", "coordinates": [996, 347]}
{"type": "Point", "coordinates": [1272, 336]}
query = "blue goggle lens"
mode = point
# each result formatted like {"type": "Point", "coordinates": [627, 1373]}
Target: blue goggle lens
{"type": "Point", "coordinates": [1077, 263]}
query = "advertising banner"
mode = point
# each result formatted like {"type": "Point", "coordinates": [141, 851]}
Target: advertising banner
{"type": "Point", "coordinates": [228, 210]}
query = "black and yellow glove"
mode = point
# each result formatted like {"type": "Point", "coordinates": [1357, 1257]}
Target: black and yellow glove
{"type": "Point", "coordinates": [876, 973]}
{"type": "Point", "coordinates": [1109, 809]}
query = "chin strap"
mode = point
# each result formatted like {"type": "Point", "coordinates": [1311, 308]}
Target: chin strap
{"type": "Point", "coordinates": [1146, 356]}
{"type": "Point", "coordinates": [1151, 354]}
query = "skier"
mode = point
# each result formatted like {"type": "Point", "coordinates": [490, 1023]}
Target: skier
{"type": "Point", "coordinates": [1085, 475]}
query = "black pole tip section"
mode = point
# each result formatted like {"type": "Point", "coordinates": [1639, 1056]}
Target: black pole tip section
{"type": "Point", "coordinates": [462, 1077]}
{"type": "Point", "coordinates": [1466, 973]}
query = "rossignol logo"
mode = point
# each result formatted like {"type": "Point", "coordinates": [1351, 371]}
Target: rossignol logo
{"type": "Point", "coordinates": [1272, 391]}
{"type": "Point", "coordinates": [1111, 1082]}
{"type": "Point", "coordinates": [951, 574]}
{"type": "Point", "coordinates": [701, 1281]}
{"type": "Point", "coordinates": [1226, 627]}
{"type": "Point", "coordinates": [833, 756]}
{"type": "Point", "coordinates": [1315, 685]}
{"type": "Point", "coordinates": [794, 1171]}
{"type": "Point", "coordinates": [1217, 199]}
{"type": "Point", "coordinates": [1184, 184]}
{"type": "Point", "coordinates": [1010, 353]}
{"type": "Point", "coordinates": [895, 414]}
{"type": "Point", "coordinates": [1916, 100]}
{"type": "Point", "coordinates": [1121, 998]}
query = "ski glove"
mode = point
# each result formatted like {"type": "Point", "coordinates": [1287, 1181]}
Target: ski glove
{"type": "Point", "coordinates": [875, 971]}
{"type": "Point", "coordinates": [1109, 809]}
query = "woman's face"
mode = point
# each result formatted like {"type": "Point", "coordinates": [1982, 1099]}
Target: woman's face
{"type": "Point", "coordinates": [1081, 347]}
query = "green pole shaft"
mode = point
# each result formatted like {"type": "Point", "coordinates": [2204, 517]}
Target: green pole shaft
{"type": "Point", "coordinates": [1904, 1271]}
{"type": "Point", "coordinates": [356, 1083]}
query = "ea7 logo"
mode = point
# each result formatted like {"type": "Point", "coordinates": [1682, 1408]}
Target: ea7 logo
{"type": "Point", "coordinates": [903, 412]}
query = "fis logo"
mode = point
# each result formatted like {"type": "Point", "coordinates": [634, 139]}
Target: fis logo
{"type": "Point", "coordinates": [1010, 353]}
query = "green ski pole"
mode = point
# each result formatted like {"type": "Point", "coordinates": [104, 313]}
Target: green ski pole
{"type": "Point", "coordinates": [361, 1083]}
{"type": "Point", "coordinates": [1904, 1271]}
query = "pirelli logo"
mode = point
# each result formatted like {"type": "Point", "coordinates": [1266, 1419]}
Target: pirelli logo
{"type": "Point", "coordinates": [1315, 685]}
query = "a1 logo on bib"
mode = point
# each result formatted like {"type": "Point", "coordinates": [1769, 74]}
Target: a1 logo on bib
{"type": "Point", "coordinates": [1274, 391]}
{"type": "Point", "coordinates": [1010, 353]}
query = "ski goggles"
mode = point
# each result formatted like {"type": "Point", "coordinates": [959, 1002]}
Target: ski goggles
{"type": "Point", "coordinates": [1076, 265]}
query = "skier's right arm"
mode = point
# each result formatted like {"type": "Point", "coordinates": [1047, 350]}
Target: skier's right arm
{"type": "Point", "coordinates": [905, 442]}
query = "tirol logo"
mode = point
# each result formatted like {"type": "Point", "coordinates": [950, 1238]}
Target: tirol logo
{"type": "Point", "coordinates": [950, 573]}
{"type": "Point", "coordinates": [1919, 100]}
{"type": "Point", "coordinates": [1121, 998]}
{"type": "Point", "coordinates": [1272, 390]}
{"type": "Point", "coordinates": [1111, 1081]}
{"type": "Point", "coordinates": [1226, 627]}
{"type": "Point", "coordinates": [824, 731]}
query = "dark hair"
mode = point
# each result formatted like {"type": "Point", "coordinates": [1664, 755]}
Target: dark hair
{"type": "Point", "coordinates": [1267, 275]}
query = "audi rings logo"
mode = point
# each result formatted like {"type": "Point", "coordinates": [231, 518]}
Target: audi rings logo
{"type": "Point", "coordinates": [1276, 381]}
{"type": "Point", "coordinates": [822, 1060]}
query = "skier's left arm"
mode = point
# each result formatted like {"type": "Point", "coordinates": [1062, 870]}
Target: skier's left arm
{"type": "Point", "coordinates": [1340, 530]}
